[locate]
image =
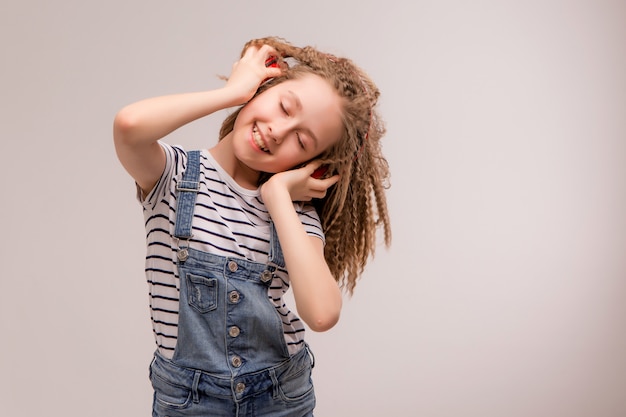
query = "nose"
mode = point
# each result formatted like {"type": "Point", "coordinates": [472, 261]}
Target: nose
{"type": "Point", "coordinates": [278, 131]}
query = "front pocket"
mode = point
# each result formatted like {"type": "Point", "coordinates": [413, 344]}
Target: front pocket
{"type": "Point", "coordinates": [169, 395]}
{"type": "Point", "coordinates": [202, 293]}
{"type": "Point", "coordinates": [296, 386]}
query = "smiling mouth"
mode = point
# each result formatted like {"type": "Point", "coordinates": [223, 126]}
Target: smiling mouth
{"type": "Point", "coordinates": [258, 140]}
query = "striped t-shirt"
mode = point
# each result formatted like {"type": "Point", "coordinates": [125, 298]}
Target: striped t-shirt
{"type": "Point", "coordinates": [228, 221]}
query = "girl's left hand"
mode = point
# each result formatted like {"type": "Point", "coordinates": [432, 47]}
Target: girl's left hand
{"type": "Point", "coordinates": [298, 183]}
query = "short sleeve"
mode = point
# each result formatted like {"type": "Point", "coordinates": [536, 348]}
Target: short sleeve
{"type": "Point", "coordinates": [175, 158]}
{"type": "Point", "coordinates": [310, 219]}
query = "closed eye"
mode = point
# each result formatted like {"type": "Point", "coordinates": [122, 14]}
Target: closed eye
{"type": "Point", "coordinates": [300, 141]}
{"type": "Point", "coordinates": [299, 138]}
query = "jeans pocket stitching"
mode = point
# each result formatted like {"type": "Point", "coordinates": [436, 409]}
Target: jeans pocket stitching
{"type": "Point", "coordinates": [202, 293]}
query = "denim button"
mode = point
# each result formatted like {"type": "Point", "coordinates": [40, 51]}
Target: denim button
{"type": "Point", "coordinates": [234, 331]}
{"type": "Point", "coordinates": [266, 276]}
{"type": "Point", "coordinates": [240, 387]}
{"type": "Point", "coordinates": [236, 361]}
{"type": "Point", "coordinates": [233, 296]}
{"type": "Point", "coordinates": [232, 266]}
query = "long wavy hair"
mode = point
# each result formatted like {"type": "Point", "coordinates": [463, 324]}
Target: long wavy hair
{"type": "Point", "coordinates": [356, 207]}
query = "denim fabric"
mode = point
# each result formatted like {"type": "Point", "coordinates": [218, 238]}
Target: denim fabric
{"type": "Point", "coordinates": [285, 390]}
{"type": "Point", "coordinates": [231, 358]}
{"type": "Point", "coordinates": [227, 325]}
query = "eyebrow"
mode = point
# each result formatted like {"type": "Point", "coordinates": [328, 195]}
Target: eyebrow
{"type": "Point", "coordinates": [296, 99]}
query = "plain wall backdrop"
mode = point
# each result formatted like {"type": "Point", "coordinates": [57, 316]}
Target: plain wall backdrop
{"type": "Point", "coordinates": [504, 293]}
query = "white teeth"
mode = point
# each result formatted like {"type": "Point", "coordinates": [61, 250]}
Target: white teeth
{"type": "Point", "coordinates": [257, 139]}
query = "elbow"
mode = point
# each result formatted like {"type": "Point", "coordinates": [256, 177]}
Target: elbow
{"type": "Point", "coordinates": [124, 125]}
{"type": "Point", "coordinates": [324, 322]}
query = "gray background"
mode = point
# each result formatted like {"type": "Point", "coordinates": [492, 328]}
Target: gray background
{"type": "Point", "coordinates": [504, 292]}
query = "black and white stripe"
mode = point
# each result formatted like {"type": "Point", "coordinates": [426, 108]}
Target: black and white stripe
{"type": "Point", "coordinates": [228, 221]}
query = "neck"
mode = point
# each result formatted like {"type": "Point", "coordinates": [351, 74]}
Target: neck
{"type": "Point", "coordinates": [224, 154]}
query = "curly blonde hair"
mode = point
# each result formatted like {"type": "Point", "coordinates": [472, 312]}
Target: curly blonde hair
{"type": "Point", "coordinates": [356, 207]}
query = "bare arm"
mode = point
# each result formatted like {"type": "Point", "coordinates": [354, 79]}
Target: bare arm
{"type": "Point", "coordinates": [138, 126]}
{"type": "Point", "coordinates": [317, 294]}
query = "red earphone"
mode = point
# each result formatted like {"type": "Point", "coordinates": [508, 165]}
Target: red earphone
{"type": "Point", "coordinates": [272, 61]}
{"type": "Point", "coordinates": [320, 172]}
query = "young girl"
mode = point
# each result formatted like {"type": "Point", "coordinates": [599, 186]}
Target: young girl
{"type": "Point", "coordinates": [232, 228]}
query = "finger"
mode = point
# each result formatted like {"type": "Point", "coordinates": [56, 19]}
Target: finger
{"type": "Point", "coordinates": [267, 50]}
{"type": "Point", "coordinates": [326, 183]}
{"type": "Point", "coordinates": [319, 193]}
{"type": "Point", "coordinates": [273, 72]}
{"type": "Point", "coordinates": [330, 181]}
{"type": "Point", "coordinates": [262, 52]}
{"type": "Point", "coordinates": [314, 164]}
{"type": "Point", "coordinates": [320, 187]}
{"type": "Point", "coordinates": [274, 65]}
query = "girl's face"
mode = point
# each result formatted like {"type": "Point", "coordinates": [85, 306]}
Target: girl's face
{"type": "Point", "coordinates": [288, 124]}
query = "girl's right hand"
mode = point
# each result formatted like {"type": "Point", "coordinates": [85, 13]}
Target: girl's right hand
{"type": "Point", "coordinates": [138, 126]}
{"type": "Point", "coordinates": [250, 72]}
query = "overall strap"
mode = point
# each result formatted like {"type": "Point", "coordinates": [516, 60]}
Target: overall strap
{"type": "Point", "coordinates": [275, 255]}
{"type": "Point", "coordinates": [187, 190]}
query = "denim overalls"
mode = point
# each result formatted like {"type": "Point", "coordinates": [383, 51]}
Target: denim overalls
{"type": "Point", "coordinates": [231, 358]}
